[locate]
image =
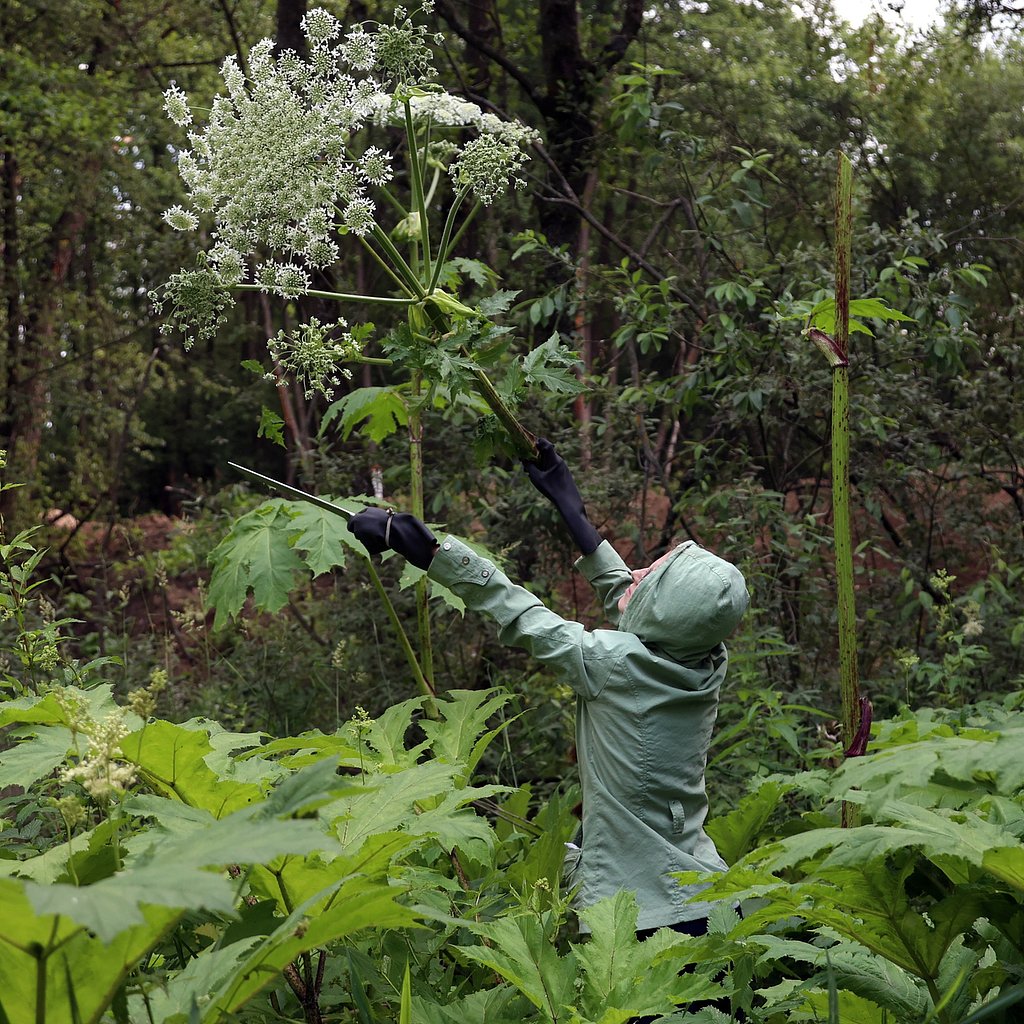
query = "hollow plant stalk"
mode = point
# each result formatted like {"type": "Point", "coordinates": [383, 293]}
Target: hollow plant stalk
{"type": "Point", "coordinates": [848, 681]}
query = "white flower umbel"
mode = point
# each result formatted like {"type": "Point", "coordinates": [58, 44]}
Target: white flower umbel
{"type": "Point", "coordinates": [313, 357]}
{"type": "Point", "coordinates": [278, 165]}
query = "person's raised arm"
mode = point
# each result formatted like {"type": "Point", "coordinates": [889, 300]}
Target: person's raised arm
{"type": "Point", "coordinates": [552, 477]}
{"type": "Point", "coordinates": [581, 657]}
{"type": "Point", "coordinates": [601, 563]}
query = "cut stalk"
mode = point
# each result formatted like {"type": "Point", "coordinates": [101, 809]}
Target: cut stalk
{"type": "Point", "coordinates": [848, 681]}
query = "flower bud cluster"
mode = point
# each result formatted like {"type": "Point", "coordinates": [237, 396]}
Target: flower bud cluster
{"type": "Point", "coordinates": [99, 772]}
{"type": "Point", "coordinates": [311, 355]}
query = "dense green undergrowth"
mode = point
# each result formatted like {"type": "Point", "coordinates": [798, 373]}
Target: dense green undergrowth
{"type": "Point", "coordinates": [376, 871]}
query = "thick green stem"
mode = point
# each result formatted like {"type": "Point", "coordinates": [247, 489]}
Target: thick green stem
{"type": "Point", "coordinates": [848, 681]}
{"type": "Point", "coordinates": [442, 249]}
{"type": "Point", "coordinates": [522, 440]}
{"type": "Point", "coordinates": [386, 267]}
{"type": "Point", "coordinates": [419, 510]}
{"type": "Point", "coordinates": [424, 686]}
{"type": "Point", "coordinates": [400, 266]}
{"type": "Point", "coordinates": [380, 300]}
{"type": "Point", "coordinates": [416, 178]}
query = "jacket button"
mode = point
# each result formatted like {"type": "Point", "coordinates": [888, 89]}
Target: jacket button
{"type": "Point", "coordinates": [447, 545]}
{"type": "Point", "coordinates": [465, 559]}
{"type": "Point", "coordinates": [485, 574]}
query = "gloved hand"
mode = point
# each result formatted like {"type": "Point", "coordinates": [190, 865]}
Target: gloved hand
{"type": "Point", "coordinates": [379, 529]}
{"type": "Point", "coordinates": [551, 476]}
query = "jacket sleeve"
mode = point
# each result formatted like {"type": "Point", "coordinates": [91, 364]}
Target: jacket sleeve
{"type": "Point", "coordinates": [584, 658]}
{"type": "Point", "coordinates": [608, 574]}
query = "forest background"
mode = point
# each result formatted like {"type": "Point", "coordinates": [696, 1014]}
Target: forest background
{"type": "Point", "coordinates": [676, 231]}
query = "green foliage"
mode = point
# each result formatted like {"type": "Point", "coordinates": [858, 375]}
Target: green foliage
{"type": "Point", "coordinates": [917, 910]}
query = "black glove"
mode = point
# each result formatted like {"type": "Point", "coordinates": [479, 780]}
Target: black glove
{"type": "Point", "coordinates": [551, 476]}
{"type": "Point", "coordinates": [379, 529]}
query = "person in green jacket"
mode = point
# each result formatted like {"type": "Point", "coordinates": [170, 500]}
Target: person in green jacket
{"type": "Point", "coordinates": [647, 691]}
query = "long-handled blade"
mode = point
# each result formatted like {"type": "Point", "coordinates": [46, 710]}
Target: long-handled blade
{"type": "Point", "coordinates": [294, 491]}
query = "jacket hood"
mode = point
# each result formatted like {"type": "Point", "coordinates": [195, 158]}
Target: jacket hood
{"type": "Point", "coordinates": [688, 605]}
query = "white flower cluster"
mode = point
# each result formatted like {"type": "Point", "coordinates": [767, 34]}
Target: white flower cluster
{"type": "Point", "coordinates": [485, 164]}
{"type": "Point", "coordinates": [312, 356]}
{"type": "Point", "coordinates": [276, 166]}
{"type": "Point", "coordinates": [102, 776]}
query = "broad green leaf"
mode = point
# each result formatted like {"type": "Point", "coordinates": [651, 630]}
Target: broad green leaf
{"type": "Point", "coordinates": [479, 273]}
{"type": "Point", "coordinates": [634, 978]}
{"type": "Point", "coordinates": [44, 958]}
{"type": "Point", "coordinates": [169, 869]}
{"type": "Point", "coordinates": [388, 803]}
{"type": "Point", "coordinates": [383, 408]}
{"type": "Point", "coordinates": [181, 995]}
{"type": "Point", "coordinates": [302, 791]}
{"type": "Point", "coordinates": [969, 838]}
{"type": "Point", "coordinates": [734, 833]}
{"type": "Point", "coordinates": [256, 556]}
{"type": "Point", "coordinates": [291, 881]}
{"type": "Point", "coordinates": [853, 1009]}
{"type": "Point", "coordinates": [171, 758]}
{"type": "Point", "coordinates": [271, 426]}
{"type": "Point", "coordinates": [355, 904]}
{"type": "Point", "coordinates": [857, 970]}
{"type": "Point", "coordinates": [550, 367]}
{"type": "Point", "coordinates": [497, 303]}
{"type": "Point", "coordinates": [456, 826]}
{"type": "Point", "coordinates": [823, 315]}
{"type": "Point", "coordinates": [117, 904]}
{"type": "Point", "coordinates": [464, 714]}
{"type": "Point", "coordinates": [386, 734]}
{"type": "Point", "coordinates": [224, 758]}
{"type": "Point", "coordinates": [98, 702]}
{"type": "Point", "coordinates": [90, 851]}
{"type": "Point", "coordinates": [1006, 863]}
{"type": "Point", "coordinates": [520, 950]}
{"type": "Point", "coordinates": [322, 537]}
{"type": "Point", "coordinates": [306, 748]}
{"type": "Point", "coordinates": [495, 1005]}
{"type": "Point", "coordinates": [34, 757]}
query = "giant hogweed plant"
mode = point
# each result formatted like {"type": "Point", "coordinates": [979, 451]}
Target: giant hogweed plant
{"type": "Point", "coordinates": [287, 170]}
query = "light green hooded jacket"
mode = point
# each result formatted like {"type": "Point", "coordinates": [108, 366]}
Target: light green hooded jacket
{"type": "Point", "coordinates": [647, 702]}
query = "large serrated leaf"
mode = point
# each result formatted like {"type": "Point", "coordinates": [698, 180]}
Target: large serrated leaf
{"type": "Point", "coordinates": [323, 538]}
{"type": "Point", "coordinates": [388, 803]}
{"type": "Point", "coordinates": [519, 949]}
{"type": "Point", "coordinates": [256, 556]}
{"type": "Point", "coordinates": [348, 907]}
{"type": "Point", "coordinates": [171, 758]}
{"type": "Point", "coordinates": [384, 409]}
{"type": "Point", "coordinates": [633, 977]}
{"type": "Point", "coordinates": [550, 366]}
{"type": "Point", "coordinates": [464, 714]}
{"type": "Point", "coordinates": [734, 833]}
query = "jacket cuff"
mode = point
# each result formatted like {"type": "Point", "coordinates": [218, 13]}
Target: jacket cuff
{"type": "Point", "coordinates": [604, 559]}
{"type": "Point", "coordinates": [456, 562]}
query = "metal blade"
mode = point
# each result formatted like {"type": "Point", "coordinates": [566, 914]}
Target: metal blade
{"type": "Point", "coordinates": [294, 491]}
